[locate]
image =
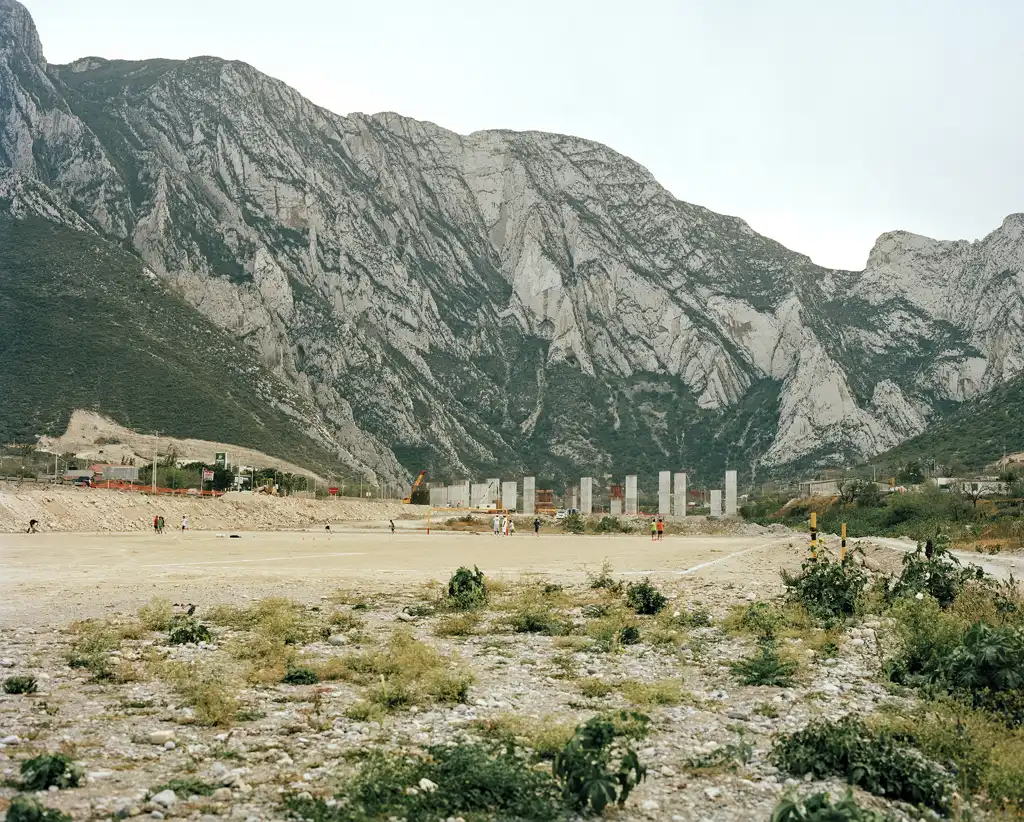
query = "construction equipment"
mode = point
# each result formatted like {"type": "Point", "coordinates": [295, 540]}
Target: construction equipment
{"type": "Point", "coordinates": [545, 502]}
{"type": "Point", "coordinates": [416, 484]}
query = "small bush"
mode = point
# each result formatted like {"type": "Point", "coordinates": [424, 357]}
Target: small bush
{"type": "Point", "coordinates": [595, 610]}
{"type": "Point", "coordinates": [761, 619]}
{"type": "Point", "coordinates": [629, 635]}
{"type": "Point", "coordinates": [300, 676]}
{"type": "Point", "coordinates": [612, 525]}
{"type": "Point", "coordinates": [25, 808]}
{"type": "Point", "coordinates": [609, 632]}
{"type": "Point", "coordinates": [593, 688]}
{"type": "Point", "coordinates": [765, 667]}
{"type": "Point", "coordinates": [467, 589]}
{"type": "Point", "coordinates": [545, 736]}
{"type": "Point", "coordinates": [828, 589]}
{"type": "Point", "coordinates": [604, 579]}
{"type": "Point", "coordinates": [448, 688]}
{"type": "Point", "coordinates": [157, 615]}
{"type": "Point", "coordinates": [574, 524]}
{"type": "Point", "coordinates": [470, 780]}
{"type": "Point", "coordinates": [643, 598]}
{"type": "Point", "coordinates": [539, 619]}
{"type": "Point", "coordinates": [587, 769]}
{"type": "Point", "coordinates": [727, 757]}
{"type": "Point", "coordinates": [819, 807]}
{"type": "Point", "coordinates": [21, 685]}
{"type": "Point", "coordinates": [874, 761]}
{"type": "Point", "coordinates": [189, 632]}
{"type": "Point", "coordinates": [208, 690]}
{"type": "Point", "coordinates": [660, 692]}
{"type": "Point", "coordinates": [939, 575]}
{"type": "Point", "coordinates": [184, 787]}
{"type": "Point", "coordinates": [457, 625]}
{"type": "Point", "coordinates": [49, 770]}
{"type": "Point", "coordinates": [391, 694]}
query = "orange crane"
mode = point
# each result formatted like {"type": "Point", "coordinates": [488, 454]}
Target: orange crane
{"type": "Point", "coordinates": [416, 484]}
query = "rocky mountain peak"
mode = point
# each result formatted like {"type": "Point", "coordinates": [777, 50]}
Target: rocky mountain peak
{"type": "Point", "coordinates": [18, 32]}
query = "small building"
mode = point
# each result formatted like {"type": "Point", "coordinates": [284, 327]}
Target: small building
{"type": "Point", "coordinates": [120, 473]}
{"type": "Point", "coordinates": [819, 488]}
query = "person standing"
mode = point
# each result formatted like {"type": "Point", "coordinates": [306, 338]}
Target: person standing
{"type": "Point", "coordinates": [161, 524]}
{"type": "Point", "coordinates": [32, 523]}
{"type": "Point", "coordinates": [184, 523]}
{"type": "Point", "coordinates": [536, 526]}
{"type": "Point", "coordinates": [654, 530]}
{"type": "Point", "coordinates": [511, 527]}
{"type": "Point", "coordinates": [392, 523]}
{"type": "Point", "coordinates": [156, 523]}
{"type": "Point", "coordinates": [661, 528]}
{"type": "Point", "coordinates": [496, 524]}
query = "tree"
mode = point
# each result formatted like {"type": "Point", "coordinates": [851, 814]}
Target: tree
{"type": "Point", "coordinates": [911, 474]}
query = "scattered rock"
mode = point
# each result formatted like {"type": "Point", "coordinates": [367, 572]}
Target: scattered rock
{"type": "Point", "coordinates": [160, 737]}
{"type": "Point", "coordinates": [338, 639]}
{"type": "Point", "coordinates": [165, 798]}
{"type": "Point", "coordinates": [221, 795]}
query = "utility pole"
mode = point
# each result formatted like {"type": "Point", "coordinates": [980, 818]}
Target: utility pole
{"type": "Point", "coordinates": [156, 446]}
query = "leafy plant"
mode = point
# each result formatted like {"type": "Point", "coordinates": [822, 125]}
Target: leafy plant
{"type": "Point", "coordinates": [727, 757]}
{"type": "Point", "coordinates": [872, 760]}
{"type": "Point", "coordinates": [24, 808]}
{"type": "Point", "coordinates": [21, 685]}
{"type": "Point", "coordinates": [574, 524]}
{"type": "Point", "coordinates": [827, 588]}
{"type": "Point", "coordinates": [612, 525]}
{"type": "Point", "coordinates": [538, 619]}
{"type": "Point", "coordinates": [46, 770]}
{"type": "Point", "coordinates": [989, 658]}
{"type": "Point", "coordinates": [762, 619]}
{"type": "Point", "coordinates": [644, 598]}
{"type": "Point", "coordinates": [765, 667]}
{"type": "Point", "coordinates": [629, 635]}
{"type": "Point", "coordinates": [604, 580]}
{"type": "Point", "coordinates": [300, 676]}
{"type": "Point", "coordinates": [935, 571]}
{"type": "Point", "coordinates": [476, 781]}
{"type": "Point", "coordinates": [467, 589]}
{"type": "Point", "coordinates": [189, 632]}
{"type": "Point", "coordinates": [587, 771]}
{"type": "Point", "coordinates": [819, 807]}
{"type": "Point", "coordinates": [595, 610]}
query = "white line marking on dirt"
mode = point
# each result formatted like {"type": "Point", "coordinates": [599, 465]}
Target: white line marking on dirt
{"type": "Point", "coordinates": [259, 559]}
{"type": "Point", "coordinates": [711, 562]}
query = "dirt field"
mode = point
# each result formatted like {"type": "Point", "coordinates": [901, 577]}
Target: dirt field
{"type": "Point", "coordinates": [54, 578]}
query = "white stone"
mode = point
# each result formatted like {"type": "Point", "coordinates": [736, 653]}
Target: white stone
{"type": "Point", "coordinates": [165, 798]}
{"type": "Point", "coordinates": [161, 737]}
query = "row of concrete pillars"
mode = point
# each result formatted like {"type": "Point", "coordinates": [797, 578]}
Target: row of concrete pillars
{"type": "Point", "coordinates": [672, 496]}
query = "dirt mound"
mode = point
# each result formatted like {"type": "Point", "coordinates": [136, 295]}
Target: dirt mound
{"type": "Point", "coordinates": [65, 508]}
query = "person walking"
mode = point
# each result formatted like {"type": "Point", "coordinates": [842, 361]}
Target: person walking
{"type": "Point", "coordinates": [392, 523]}
{"type": "Point", "coordinates": [32, 523]}
{"type": "Point", "coordinates": [184, 523]}
{"type": "Point", "coordinates": [536, 526]}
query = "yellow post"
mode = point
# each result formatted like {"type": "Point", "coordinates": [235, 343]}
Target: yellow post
{"type": "Point", "coordinates": [843, 554]}
{"type": "Point", "coordinates": [814, 535]}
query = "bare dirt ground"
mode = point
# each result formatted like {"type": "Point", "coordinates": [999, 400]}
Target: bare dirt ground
{"type": "Point", "coordinates": [54, 578]}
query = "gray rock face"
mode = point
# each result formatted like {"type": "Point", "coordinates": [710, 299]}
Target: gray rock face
{"type": "Point", "coordinates": [499, 300]}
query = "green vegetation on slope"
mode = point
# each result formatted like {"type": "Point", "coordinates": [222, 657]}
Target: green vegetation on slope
{"type": "Point", "coordinates": [85, 327]}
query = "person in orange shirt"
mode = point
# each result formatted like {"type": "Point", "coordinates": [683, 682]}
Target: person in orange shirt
{"type": "Point", "coordinates": [661, 527]}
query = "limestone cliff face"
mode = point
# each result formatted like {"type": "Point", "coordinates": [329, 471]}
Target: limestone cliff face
{"type": "Point", "coordinates": [500, 300]}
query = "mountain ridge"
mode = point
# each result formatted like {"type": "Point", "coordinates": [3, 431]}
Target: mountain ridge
{"type": "Point", "coordinates": [439, 292]}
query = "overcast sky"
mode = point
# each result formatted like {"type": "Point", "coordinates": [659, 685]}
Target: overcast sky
{"type": "Point", "coordinates": [821, 123]}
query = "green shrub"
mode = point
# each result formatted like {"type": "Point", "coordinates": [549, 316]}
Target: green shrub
{"type": "Point", "coordinates": [21, 685]}
{"type": "Point", "coordinates": [644, 598]}
{"type": "Point", "coordinates": [587, 769]}
{"type": "Point", "coordinates": [25, 808]}
{"type": "Point", "coordinates": [472, 780]}
{"type": "Point", "coordinates": [612, 525]}
{"type": "Point", "coordinates": [46, 770]}
{"type": "Point", "coordinates": [988, 659]}
{"type": "Point", "coordinates": [157, 615]}
{"type": "Point", "coordinates": [604, 580]}
{"type": "Point", "coordinates": [727, 757]}
{"type": "Point", "coordinates": [940, 575]}
{"type": "Point", "coordinates": [762, 619]}
{"type": "Point", "coordinates": [828, 589]}
{"type": "Point", "coordinates": [574, 524]}
{"type": "Point", "coordinates": [300, 676]}
{"type": "Point", "coordinates": [467, 589]}
{"type": "Point", "coordinates": [538, 619]}
{"type": "Point", "coordinates": [765, 667]}
{"type": "Point", "coordinates": [872, 760]}
{"type": "Point", "coordinates": [595, 611]}
{"type": "Point", "coordinates": [189, 632]}
{"type": "Point", "coordinates": [184, 787]}
{"type": "Point", "coordinates": [629, 635]}
{"type": "Point", "coordinates": [819, 807]}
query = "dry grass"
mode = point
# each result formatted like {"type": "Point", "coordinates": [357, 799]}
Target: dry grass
{"type": "Point", "coordinates": [545, 735]}
{"type": "Point", "coordinates": [462, 624]}
{"type": "Point", "coordinates": [157, 615]}
{"type": "Point", "coordinates": [608, 631]}
{"type": "Point", "coordinates": [208, 689]}
{"type": "Point", "coordinates": [658, 692]}
{"type": "Point", "coordinates": [594, 688]}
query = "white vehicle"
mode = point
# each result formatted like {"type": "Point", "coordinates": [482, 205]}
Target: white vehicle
{"type": "Point", "coordinates": [562, 513]}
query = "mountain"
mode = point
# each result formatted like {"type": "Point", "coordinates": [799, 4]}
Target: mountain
{"type": "Point", "coordinates": [499, 302]}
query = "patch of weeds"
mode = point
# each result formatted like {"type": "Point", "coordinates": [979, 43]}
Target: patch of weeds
{"type": "Point", "coordinates": [189, 632]}
{"type": "Point", "coordinates": [819, 807]}
{"type": "Point", "coordinates": [24, 808]}
{"type": "Point", "coordinates": [539, 619]}
{"type": "Point", "coordinates": [566, 666]}
{"type": "Point", "coordinates": [448, 688]}
{"type": "Point", "coordinates": [345, 621]}
{"type": "Point", "coordinates": [726, 758]}
{"type": "Point", "coordinates": [300, 676]}
{"type": "Point", "coordinates": [873, 760]}
{"type": "Point", "coordinates": [157, 615]}
{"type": "Point", "coordinates": [940, 575]}
{"type": "Point", "coordinates": [767, 710]}
{"type": "Point", "coordinates": [545, 736]}
{"type": "Point", "coordinates": [364, 711]}
{"type": "Point", "coordinates": [612, 525]}
{"type": "Point", "coordinates": [643, 598]}
{"type": "Point", "coordinates": [596, 610]}
{"type": "Point", "coordinates": [594, 688]}
{"type": "Point", "coordinates": [596, 768]}
{"type": "Point", "coordinates": [765, 667]}
{"type": "Point", "coordinates": [829, 589]}
{"type": "Point", "coordinates": [699, 617]}
{"type": "Point", "coordinates": [467, 589]}
{"type": "Point", "coordinates": [604, 580]}
{"type": "Point", "coordinates": [464, 624]}
{"type": "Point", "coordinates": [49, 770]}
{"type": "Point", "coordinates": [184, 787]}
{"type": "Point", "coordinates": [207, 689]}
{"type": "Point", "coordinates": [249, 715]}
{"type": "Point", "coordinates": [574, 524]}
{"type": "Point", "coordinates": [552, 588]}
{"type": "Point", "coordinates": [609, 632]}
{"type": "Point", "coordinates": [420, 609]}
{"type": "Point", "coordinates": [21, 685]}
{"type": "Point", "coordinates": [573, 643]}
{"type": "Point", "coordinates": [658, 692]}
{"type": "Point", "coordinates": [762, 620]}
{"type": "Point", "coordinates": [473, 781]}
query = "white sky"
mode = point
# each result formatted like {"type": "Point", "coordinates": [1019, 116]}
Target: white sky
{"type": "Point", "coordinates": [821, 123]}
